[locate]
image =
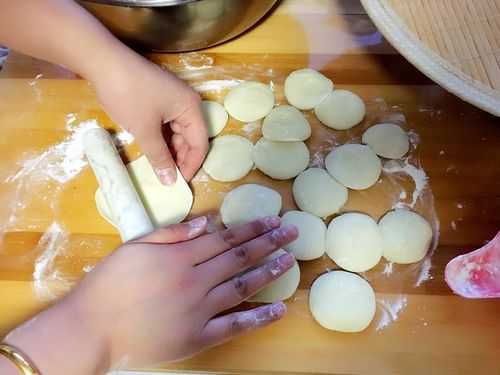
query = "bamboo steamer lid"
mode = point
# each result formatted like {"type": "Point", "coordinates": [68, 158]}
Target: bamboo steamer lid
{"type": "Point", "coordinates": [454, 42]}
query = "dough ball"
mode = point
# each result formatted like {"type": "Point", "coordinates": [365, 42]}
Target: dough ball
{"type": "Point", "coordinates": [229, 158]}
{"type": "Point", "coordinates": [312, 234]}
{"type": "Point", "coordinates": [280, 160]}
{"type": "Point", "coordinates": [406, 236]}
{"type": "Point", "coordinates": [215, 117]}
{"type": "Point", "coordinates": [342, 301]}
{"type": "Point", "coordinates": [249, 101]}
{"type": "Point", "coordinates": [341, 110]}
{"type": "Point", "coordinates": [316, 192]}
{"type": "Point", "coordinates": [354, 242]}
{"type": "Point", "coordinates": [282, 288]}
{"type": "Point", "coordinates": [249, 202]}
{"type": "Point", "coordinates": [165, 205]}
{"type": "Point", "coordinates": [354, 166]}
{"type": "Point", "coordinates": [306, 88]}
{"type": "Point", "coordinates": [387, 140]}
{"type": "Point", "coordinates": [286, 124]}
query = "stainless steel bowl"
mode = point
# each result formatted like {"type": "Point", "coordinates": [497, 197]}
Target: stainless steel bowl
{"type": "Point", "coordinates": [177, 25]}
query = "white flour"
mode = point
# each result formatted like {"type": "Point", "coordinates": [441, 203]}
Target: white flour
{"type": "Point", "coordinates": [251, 128]}
{"type": "Point", "coordinates": [418, 176]}
{"type": "Point", "coordinates": [216, 85]}
{"type": "Point", "coordinates": [390, 310]}
{"type": "Point", "coordinates": [48, 281]}
{"type": "Point", "coordinates": [66, 159]}
{"type": "Point", "coordinates": [425, 272]}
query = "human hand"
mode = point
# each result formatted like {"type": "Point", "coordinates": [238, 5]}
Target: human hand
{"type": "Point", "coordinates": [156, 299]}
{"type": "Point", "coordinates": [141, 97]}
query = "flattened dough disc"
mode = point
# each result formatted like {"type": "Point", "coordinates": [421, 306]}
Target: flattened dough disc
{"type": "Point", "coordinates": [229, 158]}
{"type": "Point", "coordinates": [387, 140]}
{"type": "Point", "coordinates": [249, 101]}
{"type": "Point", "coordinates": [215, 117]}
{"type": "Point", "coordinates": [165, 205]}
{"type": "Point", "coordinates": [306, 88]}
{"type": "Point", "coordinates": [341, 110]}
{"type": "Point", "coordinates": [286, 124]}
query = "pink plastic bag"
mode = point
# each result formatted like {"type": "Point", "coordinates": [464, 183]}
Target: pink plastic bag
{"type": "Point", "coordinates": [476, 274]}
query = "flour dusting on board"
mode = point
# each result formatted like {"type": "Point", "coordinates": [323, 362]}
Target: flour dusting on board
{"type": "Point", "coordinates": [390, 309]}
{"type": "Point", "coordinates": [47, 280]}
{"type": "Point", "coordinates": [418, 176]}
{"type": "Point", "coordinates": [216, 85]}
{"type": "Point", "coordinates": [65, 160]}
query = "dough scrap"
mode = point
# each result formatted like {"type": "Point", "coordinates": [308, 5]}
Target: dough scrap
{"type": "Point", "coordinates": [280, 160]}
{"type": "Point", "coordinates": [306, 88]}
{"type": "Point", "coordinates": [312, 235]}
{"type": "Point", "coordinates": [353, 165]}
{"type": "Point", "coordinates": [249, 101]}
{"type": "Point", "coordinates": [406, 236]}
{"type": "Point", "coordinates": [286, 124]}
{"type": "Point", "coordinates": [165, 205]}
{"type": "Point", "coordinates": [215, 117]}
{"type": "Point", "coordinates": [282, 288]}
{"type": "Point", "coordinates": [342, 301]}
{"type": "Point", "coordinates": [387, 140]}
{"type": "Point", "coordinates": [341, 110]}
{"type": "Point", "coordinates": [229, 158]}
{"type": "Point", "coordinates": [316, 192]}
{"type": "Point", "coordinates": [354, 242]}
{"type": "Point", "coordinates": [249, 202]}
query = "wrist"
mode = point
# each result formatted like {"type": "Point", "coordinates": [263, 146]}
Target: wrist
{"type": "Point", "coordinates": [7, 367]}
{"type": "Point", "coordinates": [61, 340]}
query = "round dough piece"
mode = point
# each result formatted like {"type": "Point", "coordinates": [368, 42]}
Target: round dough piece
{"type": "Point", "coordinates": [342, 301]}
{"type": "Point", "coordinates": [282, 288]}
{"type": "Point", "coordinates": [406, 236]}
{"type": "Point", "coordinates": [215, 117]}
{"type": "Point", "coordinates": [387, 140]}
{"type": "Point", "coordinates": [354, 242]}
{"type": "Point", "coordinates": [249, 202]}
{"type": "Point", "coordinates": [306, 88]}
{"type": "Point", "coordinates": [229, 158]}
{"type": "Point", "coordinates": [286, 124]}
{"type": "Point", "coordinates": [165, 205]}
{"type": "Point", "coordinates": [280, 160]}
{"type": "Point", "coordinates": [341, 110]}
{"type": "Point", "coordinates": [316, 192]}
{"type": "Point", "coordinates": [312, 234]}
{"type": "Point", "coordinates": [249, 101]}
{"type": "Point", "coordinates": [354, 166]}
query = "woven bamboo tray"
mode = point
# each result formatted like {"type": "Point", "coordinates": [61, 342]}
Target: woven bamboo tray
{"type": "Point", "coordinates": [454, 42]}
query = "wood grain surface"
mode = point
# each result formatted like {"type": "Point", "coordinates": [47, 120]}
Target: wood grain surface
{"type": "Point", "coordinates": [459, 148]}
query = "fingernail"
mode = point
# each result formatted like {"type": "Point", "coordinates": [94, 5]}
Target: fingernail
{"type": "Point", "coordinates": [278, 310]}
{"type": "Point", "coordinates": [283, 232]}
{"type": "Point", "coordinates": [197, 226]}
{"type": "Point", "coordinates": [271, 222]}
{"type": "Point", "coordinates": [286, 260]}
{"type": "Point", "coordinates": [167, 176]}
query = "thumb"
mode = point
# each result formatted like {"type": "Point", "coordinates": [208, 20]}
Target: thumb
{"type": "Point", "coordinates": [156, 150]}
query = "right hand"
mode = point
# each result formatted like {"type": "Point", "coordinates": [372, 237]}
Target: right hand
{"type": "Point", "coordinates": [159, 299]}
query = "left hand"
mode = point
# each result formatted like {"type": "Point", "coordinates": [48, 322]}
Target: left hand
{"type": "Point", "coordinates": [141, 97]}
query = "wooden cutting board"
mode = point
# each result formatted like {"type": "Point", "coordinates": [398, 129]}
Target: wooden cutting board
{"type": "Point", "coordinates": [459, 149]}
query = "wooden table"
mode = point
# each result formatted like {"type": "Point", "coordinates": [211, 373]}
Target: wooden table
{"type": "Point", "coordinates": [459, 149]}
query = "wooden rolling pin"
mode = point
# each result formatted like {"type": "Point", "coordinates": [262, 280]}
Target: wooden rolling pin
{"type": "Point", "coordinates": [125, 204]}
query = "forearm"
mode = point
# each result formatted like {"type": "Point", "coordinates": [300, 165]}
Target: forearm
{"type": "Point", "coordinates": [61, 341]}
{"type": "Point", "coordinates": [59, 31]}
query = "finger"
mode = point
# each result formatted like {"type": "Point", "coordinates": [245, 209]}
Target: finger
{"type": "Point", "coordinates": [225, 328]}
{"type": "Point", "coordinates": [194, 130]}
{"type": "Point", "coordinates": [177, 232]}
{"type": "Point", "coordinates": [233, 292]}
{"type": "Point", "coordinates": [243, 256]}
{"type": "Point", "coordinates": [159, 156]}
{"type": "Point", "coordinates": [177, 141]}
{"type": "Point", "coordinates": [211, 245]}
